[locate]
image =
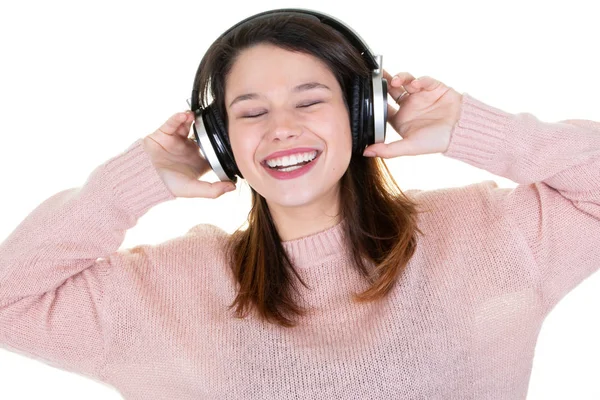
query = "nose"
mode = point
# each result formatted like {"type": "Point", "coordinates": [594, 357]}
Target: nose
{"type": "Point", "coordinates": [283, 125]}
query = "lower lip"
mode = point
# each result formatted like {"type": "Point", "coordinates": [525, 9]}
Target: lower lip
{"type": "Point", "coordinates": [292, 174]}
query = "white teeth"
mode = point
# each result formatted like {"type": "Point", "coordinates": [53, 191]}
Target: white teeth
{"type": "Point", "coordinates": [294, 159]}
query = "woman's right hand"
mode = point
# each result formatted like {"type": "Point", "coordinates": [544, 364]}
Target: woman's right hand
{"type": "Point", "coordinates": [178, 159]}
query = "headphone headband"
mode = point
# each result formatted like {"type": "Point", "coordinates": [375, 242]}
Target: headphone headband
{"type": "Point", "coordinates": [349, 33]}
{"type": "Point", "coordinates": [326, 19]}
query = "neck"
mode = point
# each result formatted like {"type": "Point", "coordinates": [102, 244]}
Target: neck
{"type": "Point", "coordinates": [307, 219]}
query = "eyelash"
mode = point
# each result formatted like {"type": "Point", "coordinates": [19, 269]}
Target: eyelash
{"type": "Point", "coordinates": [301, 106]}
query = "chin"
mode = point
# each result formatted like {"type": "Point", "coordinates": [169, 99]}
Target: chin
{"type": "Point", "coordinates": [294, 200]}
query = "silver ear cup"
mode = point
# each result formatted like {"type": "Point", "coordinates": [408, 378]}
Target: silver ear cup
{"type": "Point", "coordinates": [379, 102]}
{"type": "Point", "coordinates": [207, 149]}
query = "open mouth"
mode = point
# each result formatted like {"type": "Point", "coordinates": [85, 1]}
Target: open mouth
{"type": "Point", "coordinates": [291, 171]}
{"type": "Point", "coordinates": [286, 168]}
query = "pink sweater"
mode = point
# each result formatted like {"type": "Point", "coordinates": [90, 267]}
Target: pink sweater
{"type": "Point", "coordinates": [152, 320]}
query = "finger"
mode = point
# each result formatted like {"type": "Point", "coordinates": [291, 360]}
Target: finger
{"type": "Point", "coordinates": [401, 78]}
{"type": "Point", "coordinates": [184, 129]}
{"type": "Point", "coordinates": [394, 149]}
{"type": "Point", "coordinates": [196, 188]}
{"type": "Point", "coordinates": [426, 83]}
{"type": "Point", "coordinates": [399, 83]}
{"type": "Point", "coordinates": [173, 123]}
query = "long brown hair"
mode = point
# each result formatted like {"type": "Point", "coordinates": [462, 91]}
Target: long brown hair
{"type": "Point", "coordinates": [380, 221]}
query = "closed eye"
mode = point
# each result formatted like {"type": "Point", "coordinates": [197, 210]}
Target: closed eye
{"type": "Point", "coordinates": [253, 115]}
{"type": "Point", "coordinates": [309, 104]}
{"type": "Point", "coordinates": [299, 106]}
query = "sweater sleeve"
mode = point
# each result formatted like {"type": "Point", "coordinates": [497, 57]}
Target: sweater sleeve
{"type": "Point", "coordinates": [53, 274]}
{"type": "Point", "coordinates": [556, 204]}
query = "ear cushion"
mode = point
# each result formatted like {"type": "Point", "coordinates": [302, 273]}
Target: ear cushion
{"type": "Point", "coordinates": [220, 139]}
{"type": "Point", "coordinates": [361, 114]}
{"type": "Point", "coordinates": [368, 134]}
{"type": "Point", "coordinates": [354, 105]}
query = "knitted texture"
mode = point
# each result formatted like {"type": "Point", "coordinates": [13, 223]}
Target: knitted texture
{"type": "Point", "coordinates": [462, 322]}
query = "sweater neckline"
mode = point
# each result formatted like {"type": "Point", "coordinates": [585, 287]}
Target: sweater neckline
{"type": "Point", "coordinates": [315, 248]}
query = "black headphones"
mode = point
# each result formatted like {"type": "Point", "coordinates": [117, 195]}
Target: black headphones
{"type": "Point", "coordinates": [367, 104]}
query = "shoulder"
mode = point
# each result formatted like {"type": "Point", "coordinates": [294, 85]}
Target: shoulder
{"type": "Point", "coordinates": [208, 232]}
{"type": "Point", "coordinates": [201, 244]}
{"type": "Point", "coordinates": [475, 196]}
{"type": "Point", "coordinates": [460, 208]}
{"type": "Point", "coordinates": [208, 238]}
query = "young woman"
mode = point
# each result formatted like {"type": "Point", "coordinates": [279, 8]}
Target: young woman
{"type": "Point", "coordinates": [341, 286]}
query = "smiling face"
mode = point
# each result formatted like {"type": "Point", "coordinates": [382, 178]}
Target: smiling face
{"type": "Point", "coordinates": [280, 100]}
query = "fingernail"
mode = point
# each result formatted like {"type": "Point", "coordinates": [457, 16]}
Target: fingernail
{"type": "Point", "coordinates": [369, 153]}
{"type": "Point", "coordinates": [395, 80]}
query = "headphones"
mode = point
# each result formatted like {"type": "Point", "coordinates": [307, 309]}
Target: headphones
{"type": "Point", "coordinates": [367, 103]}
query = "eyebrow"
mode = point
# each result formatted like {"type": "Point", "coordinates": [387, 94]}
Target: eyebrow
{"type": "Point", "coordinates": [299, 88]}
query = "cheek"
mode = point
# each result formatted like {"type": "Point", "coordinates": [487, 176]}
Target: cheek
{"type": "Point", "coordinates": [237, 146]}
{"type": "Point", "coordinates": [339, 148]}
{"type": "Point", "coordinates": [344, 139]}
{"type": "Point", "coordinates": [343, 131]}
{"type": "Point", "coordinates": [346, 144]}
{"type": "Point", "coordinates": [243, 147]}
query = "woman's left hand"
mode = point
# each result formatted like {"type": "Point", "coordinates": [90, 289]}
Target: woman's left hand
{"type": "Point", "coordinates": [425, 117]}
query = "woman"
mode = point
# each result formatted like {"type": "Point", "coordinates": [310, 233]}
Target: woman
{"type": "Point", "coordinates": [343, 286]}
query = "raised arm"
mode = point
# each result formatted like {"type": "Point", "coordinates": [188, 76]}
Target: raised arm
{"type": "Point", "coordinates": [58, 266]}
{"type": "Point", "coordinates": [556, 206]}
{"type": "Point", "coordinates": [53, 302]}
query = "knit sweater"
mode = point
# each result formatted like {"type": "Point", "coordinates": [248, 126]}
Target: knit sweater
{"type": "Point", "coordinates": [152, 321]}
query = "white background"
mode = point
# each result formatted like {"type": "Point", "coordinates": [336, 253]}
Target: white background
{"type": "Point", "coordinates": [80, 81]}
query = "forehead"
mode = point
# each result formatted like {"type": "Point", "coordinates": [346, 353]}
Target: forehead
{"type": "Point", "coordinates": [265, 65]}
